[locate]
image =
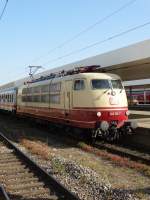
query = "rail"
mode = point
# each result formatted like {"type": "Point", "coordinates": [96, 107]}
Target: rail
{"type": "Point", "coordinates": [49, 180]}
{"type": "Point", "coordinates": [3, 194]}
{"type": "Point", "coordinates": [121, 152]}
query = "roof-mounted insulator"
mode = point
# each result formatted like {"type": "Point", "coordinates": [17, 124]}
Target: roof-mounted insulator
{"type": "Point", "coordinates": [62, 73]}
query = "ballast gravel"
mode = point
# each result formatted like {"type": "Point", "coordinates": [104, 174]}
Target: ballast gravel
{"type": "Point", "coordinates": [82, 181]}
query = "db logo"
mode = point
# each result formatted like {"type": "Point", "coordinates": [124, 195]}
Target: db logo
{"type": "Point", "coordinates": [113, 100]}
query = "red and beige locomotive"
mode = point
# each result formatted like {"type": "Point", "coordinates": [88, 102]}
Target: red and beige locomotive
{"type": "Point", "coordinates": [80, 98]}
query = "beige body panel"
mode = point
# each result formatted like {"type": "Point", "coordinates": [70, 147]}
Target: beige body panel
{"type": "Point", "coordinates": [69, 98]}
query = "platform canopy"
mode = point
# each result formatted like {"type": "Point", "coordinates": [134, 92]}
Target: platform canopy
{"type": "Point", "coordinates": [131, 62]}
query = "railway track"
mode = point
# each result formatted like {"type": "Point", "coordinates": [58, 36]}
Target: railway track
{"type": "Point", "coordinates": [137, 154]}
{"type": "Point", "coordinates": [3, 194]}
{"type": "Point", "coordinates": [134, 155]}
{"type": "Point", "coordinates": [122, 149]}
{"type": "Point", "coordinates": [23, 179]}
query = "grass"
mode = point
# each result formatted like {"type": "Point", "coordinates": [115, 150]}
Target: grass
{"type": "Point", "coordinates": [37, 148]}
{"type": "Point", "coordinates": [83, 179]}
{"type": "Point", "coordinates": [42, 150]}
{"type": "Point", "coordinates": [118, 160]}
{"type": "Point", "coordinates": [58, 167]}
{"type": "Point", "coordinates": [19, 130]}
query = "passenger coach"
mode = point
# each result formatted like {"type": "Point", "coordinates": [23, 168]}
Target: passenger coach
{"type": "Point", "coordinates": [8, 99]}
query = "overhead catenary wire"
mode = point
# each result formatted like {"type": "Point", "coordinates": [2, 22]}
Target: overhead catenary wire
{"type": "Point", "coordinates": [87, 29]}
{"type": "Point", "coordinates": [99, 42]}
{"type": "Point", "coordinates": [2, 13]}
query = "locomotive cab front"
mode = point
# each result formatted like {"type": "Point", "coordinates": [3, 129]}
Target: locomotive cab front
{"type": "Point", "coordinates": [104, 101]}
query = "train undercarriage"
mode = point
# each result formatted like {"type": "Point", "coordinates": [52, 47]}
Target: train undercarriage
{"type": "Point", "coordinates": [110, 132]}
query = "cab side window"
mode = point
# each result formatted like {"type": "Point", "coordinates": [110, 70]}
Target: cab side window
{"type": "Point", "coordinates": [79, 85]}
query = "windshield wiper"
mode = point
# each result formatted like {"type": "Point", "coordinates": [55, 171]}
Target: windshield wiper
{"type": "Point", "coordinates": [107, 90]}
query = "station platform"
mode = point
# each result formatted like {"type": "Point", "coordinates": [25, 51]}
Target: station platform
{"type": "Point", "coordinates": [142, 118]}
{"type": "Point", "coordinates": [141, 137]}
{"type": "Point", "coordinates": [144, 123]}
{"type": "Point", "coordinates": [140, 112]}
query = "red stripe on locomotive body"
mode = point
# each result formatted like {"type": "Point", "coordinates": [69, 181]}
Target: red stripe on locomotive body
{"type": "Point", "coordinates": [83, 118]}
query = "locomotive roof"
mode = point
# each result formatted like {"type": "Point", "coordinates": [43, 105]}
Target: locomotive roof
{"type": "Point", "coordinates": [88, 75]}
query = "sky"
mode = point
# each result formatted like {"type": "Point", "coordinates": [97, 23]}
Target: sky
{"type": "Point", "coordinates": [31, 31]}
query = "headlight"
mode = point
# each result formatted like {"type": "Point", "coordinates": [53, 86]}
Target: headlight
{"type": "Point", "coordinates": [104, 125]}
{"type": "Point", "coordinates": [127, 112]}
{"type": "Point", "coordinates": [134, 125]}
{"type": "Point", "coordinates": [99, 114]}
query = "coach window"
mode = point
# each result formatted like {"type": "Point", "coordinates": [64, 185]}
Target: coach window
{"type": "Point", "coordinates": [24, 98]}
{"type": "Point", "coordinates": [24, 91]}
{"type": "Point", "coordinates": [36, 98]}
{"type": "Point", "coordinates": [12, 98]}
{"type": "Point", "coordinates": [45, 98]}
{"type": "Point", "coordinates": [45, 88]}
{"type": "Point", "coordinates": [30, 90]}
{"type": "Point", "coordinates": [55, 98]}
{"type": "Point", "coordinates": [28, 98]}
{"type": "Point", "coordinates": [55, 87]}
{"type": "Point", "coordinates": [79, 85]}
{"type": "Point", "coordinates": [37, 89]}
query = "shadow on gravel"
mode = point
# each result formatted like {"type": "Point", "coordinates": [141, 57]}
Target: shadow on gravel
{"type": "Point", "coordinates": [16, 128]}
{"type": "Point", "coordinates": [19, 197]}
{"type": "Point", "coordinates": [134, 191]}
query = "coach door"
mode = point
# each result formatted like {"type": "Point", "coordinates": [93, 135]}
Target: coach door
{"type": "Point", "coordinates": [68, 97]}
